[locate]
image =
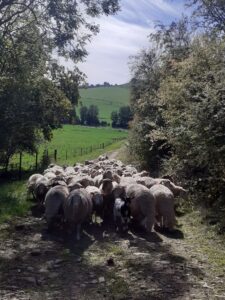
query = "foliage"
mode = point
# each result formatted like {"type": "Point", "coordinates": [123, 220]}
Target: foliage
{"type": "Point", "coordinates": [66, 23]}
{"type": "Point", "coordinates": [24, 92]}
{"type": "Point", "coordinates": [36, 93]}
{"type": "Point", "coordinates": [149, 132]}
{"type": "Point", "coordinates": [89, 115]}
{"type": "Point", "coordinates": [178, 101]}
{"type": "Point", "coordinates": [209, 13]}
{"type": "Point", "coordinates": [122, 118]}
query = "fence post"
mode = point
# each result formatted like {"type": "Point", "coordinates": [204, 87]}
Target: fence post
{"type": "Point", "coordinates": [55, 155]}
{"type": "Point", "coordinates": [103, 146]}
{"type": "Point", "coordinates": [91, 148]}
{"type": "Point", "coordinates": [81, 151]}
{"type": "Point", "coordinates": [36, 161]}
{"type": "Point", "coordinates": [66, 154]}
{"type": "Point", "coordinates": [20, 166]}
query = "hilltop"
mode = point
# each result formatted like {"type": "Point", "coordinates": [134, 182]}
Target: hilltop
{"type": "Point", "coordinates": [107, 99]}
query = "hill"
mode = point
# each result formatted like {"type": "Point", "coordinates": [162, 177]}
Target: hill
{"type": "Point", "coordinates": [107, 99]}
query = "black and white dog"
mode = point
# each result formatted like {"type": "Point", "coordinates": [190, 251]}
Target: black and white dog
{"type": "Point", "coordinates": [121, 213]}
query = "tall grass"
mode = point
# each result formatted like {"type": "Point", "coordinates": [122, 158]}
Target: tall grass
{"type": "Point", "coordinates": [13, 200]}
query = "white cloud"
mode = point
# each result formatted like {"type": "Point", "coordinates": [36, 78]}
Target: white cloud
{"type": "Point", "coordinates": [124, 35]}
{"type": "Point", "coordinates": [110, 50]}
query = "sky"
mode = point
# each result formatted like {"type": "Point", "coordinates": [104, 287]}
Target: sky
{"type": "Point", "coordinates": [124, 35]}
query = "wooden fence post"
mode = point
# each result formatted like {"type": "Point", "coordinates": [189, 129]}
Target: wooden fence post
{"type": "Point", "coordinates": [36, 161]}
{"type": "Point", "coordinates": [20, 166]}
{"type": "Point", "coordinates": [55, 155]}
{"type": "Point", "coordinates": [66, 155]}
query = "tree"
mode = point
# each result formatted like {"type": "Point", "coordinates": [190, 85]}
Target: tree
{"type": "Point", "coordinates": [124, 116]}
{"type": "Point", "coordinates": [92, 115]}
{"type": "Point", "coordinates": [83, 115]}
{"type": "Point", "coordinates": [148, 138]}
{"type": "Point", "coordinates": [66, 23]}
{"type": "Point", "coordinates": [209, 13]}
{"type": "Point", "coordinates": [114, 118]}
{"type": "Point", "coordinates": [36, 93]}
{"type": "Point", "coordinates": [89, 115]}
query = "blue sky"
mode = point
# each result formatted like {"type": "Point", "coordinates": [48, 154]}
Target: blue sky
{"type": "Point", "coordinates": [123, 35]}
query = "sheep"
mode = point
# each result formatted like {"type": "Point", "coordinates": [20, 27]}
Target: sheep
{"type": "Point", "coordinates": [146, 181]}
{"type": "Point", "coordinates": [40, 190]}
{"type": "Point", "coordinates": [98, 180]}
{"type": "Point", "coordinates": [124, 181]}
{"type": "Point", "coordinates": [142, 205]}
{"type": "Point", "coordinates": [97, 200]}
{"type": "Point", "coordinates": [77, 209]}
{"type": "Point", "coordinates": [57, 181]}
{"type": "Point", "coordinates": [32, 181]}
{"type": "Point", "coordinates": [177, 191]}
{"type": "Point", "coordinates": [122, 213]}
{"type": "Point", "coordinates": [86, 181]}
{"type": "Point", "coordinates": [49, 175]}
{"type": "Point", "coordinates": [164, 206]}
{"type": "Point", "coordinates": [74, 186]}
{"type": "Point", "coordinates": [108, 174]}
{"type": "Point", "coordinates": [70, 171]}
{"type": "Point", "coordinates": [53, 203]}
{"type": "Point", "coordinates": [106, 187]}
{"type": "Point", "coordinates": [102, 157]}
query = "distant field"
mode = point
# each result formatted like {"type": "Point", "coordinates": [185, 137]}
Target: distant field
{"type": "Point", "coordinates": [107, 99]}
{"type": "Point", "coordinates": [74, 143]}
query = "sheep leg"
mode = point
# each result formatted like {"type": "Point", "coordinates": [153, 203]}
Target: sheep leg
{"type": "Point", "coordinates": [150, 220]}
{"type": "Point", "coordinates": [78, 231]}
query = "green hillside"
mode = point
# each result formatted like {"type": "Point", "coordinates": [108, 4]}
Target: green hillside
{"type": "Point", "coordinates": [107, 99]}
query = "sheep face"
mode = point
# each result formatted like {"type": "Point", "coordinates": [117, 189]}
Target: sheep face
{"type": "Point", "coordinates": [122, 213]}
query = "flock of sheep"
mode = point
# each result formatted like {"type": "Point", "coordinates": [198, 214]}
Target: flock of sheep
{"type": "Point", "coordinates": [105, 188]}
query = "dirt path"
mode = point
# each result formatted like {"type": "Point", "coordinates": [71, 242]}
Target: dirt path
{"type": "Point", "coordinates": [103, 265]}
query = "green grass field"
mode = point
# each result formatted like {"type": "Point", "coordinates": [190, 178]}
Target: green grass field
{"type": "Point", "coordinates": [13, 200]}
{"type": "Point", "coordinates": [107, 99]}
{"type": "Point", "coordinates": [73, 143]}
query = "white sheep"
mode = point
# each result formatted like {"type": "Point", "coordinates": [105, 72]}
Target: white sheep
{"type": "Point", "coordinates": [142, 205]}
{"type": "Point", "coordinates": [165, 213]}
{"type": "Point", "coordinates": [97, 200]}
{"type": "Point", "coordinates": [77, 209]}
{"type": "Point", "coordinates": [177, 191]}
{"type": "Point", "coordinates": [53, 203]}
{"type": "Point", "coordinates": [40, 190]}
{"type": "Point", "coordinates": [32, 181]}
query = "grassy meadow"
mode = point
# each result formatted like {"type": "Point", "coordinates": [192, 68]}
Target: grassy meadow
{"type": "Point", "coordinates": [107, 99]}
{"type": "Point", "coordinates": [74, 143]}
{"type": "Point", "coordinates": [13, 200]}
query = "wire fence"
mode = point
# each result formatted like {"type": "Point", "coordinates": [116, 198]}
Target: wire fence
{"type": "Point", "coordinates": [23, 162]}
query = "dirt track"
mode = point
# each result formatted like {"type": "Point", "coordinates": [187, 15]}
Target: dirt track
{"type": "Point", "coordinates": [103, 265]}
{"type": "Point", "coordinates": [36, 265]}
